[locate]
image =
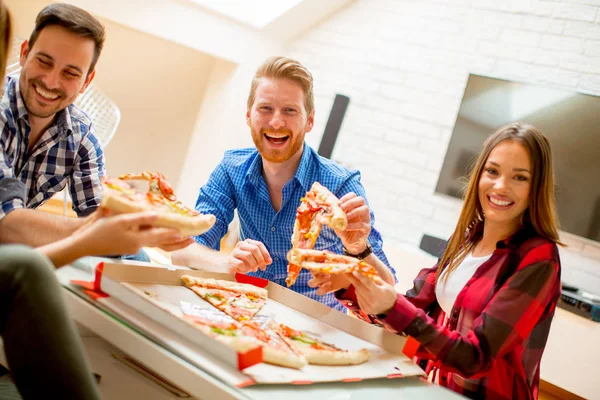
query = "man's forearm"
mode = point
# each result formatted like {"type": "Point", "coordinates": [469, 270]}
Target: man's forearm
{"type": "Point", "coordinates": [201, 257]}
{"type": "Point", "coordinates": [36, 228]}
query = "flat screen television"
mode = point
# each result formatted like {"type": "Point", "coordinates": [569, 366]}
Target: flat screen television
{"type": "Point", "coordinates": [570, 121]}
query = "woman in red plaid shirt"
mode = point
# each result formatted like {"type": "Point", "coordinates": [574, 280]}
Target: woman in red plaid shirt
{"type": "Point", "coordinates": [481, 316]}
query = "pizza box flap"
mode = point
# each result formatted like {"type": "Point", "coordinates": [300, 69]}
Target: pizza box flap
{"type": "Point", "coordinates": [157, 291]}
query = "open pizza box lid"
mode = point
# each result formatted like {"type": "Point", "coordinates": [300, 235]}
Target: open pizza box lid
{"type": "Point", "coordinates": [151, 299]}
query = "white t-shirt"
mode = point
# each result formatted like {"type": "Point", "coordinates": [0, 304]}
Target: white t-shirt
{"type": "Point", "coordinates": [447, 292]}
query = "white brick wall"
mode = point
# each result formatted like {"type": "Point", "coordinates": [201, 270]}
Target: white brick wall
{"type": "Point", "coordinates": [405, 65]}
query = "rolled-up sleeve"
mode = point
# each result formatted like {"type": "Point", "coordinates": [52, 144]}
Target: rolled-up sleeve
{"type": "Point", "coordinates": [354, 185]}
{"type": "Point", "coordinates": [12, 195]}
{"type": "Point", "coordinates": [216, 197]}
{"type": "Point", "coordinates": [12, 191]}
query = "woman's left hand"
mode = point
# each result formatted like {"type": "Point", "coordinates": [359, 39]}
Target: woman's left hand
{"type": "Point", "coordinates": [374, 296]}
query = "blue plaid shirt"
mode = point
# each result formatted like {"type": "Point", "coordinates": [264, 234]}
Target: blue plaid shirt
{"type": "Point", "coordinates": [67, 153]}
{"type": "Point", "coordinates": [237, 183]}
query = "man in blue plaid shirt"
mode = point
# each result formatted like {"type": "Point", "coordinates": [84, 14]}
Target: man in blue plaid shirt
{"type": "Point", "coordinates": [265, 185]}
{"type": "Point", "coordinates": [47, 143]}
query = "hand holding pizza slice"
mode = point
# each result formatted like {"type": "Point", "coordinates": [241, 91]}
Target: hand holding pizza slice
{"type": "Point", "coordinates": [120, 198]}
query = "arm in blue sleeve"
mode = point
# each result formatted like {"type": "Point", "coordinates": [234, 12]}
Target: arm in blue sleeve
{"type": "Point", "coordinates": [353, 184]}
{"type": "Point", "coordinates": [216, 197]}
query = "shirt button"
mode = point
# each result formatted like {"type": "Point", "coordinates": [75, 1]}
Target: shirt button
{"type": "Point", "coordinates": [273, 229]}
{"type": "Point", "coordinates": [350, 304]}
{"type": "Point", "coordinates": [275, 258]}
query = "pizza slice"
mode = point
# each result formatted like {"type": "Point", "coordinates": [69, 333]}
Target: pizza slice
{"type": "Point", "coordinates": [229, 333]}
{"type": "Point", "coordinates": [157, 183]}
{"type": "Point", "coordinates": [326, 262]}
{"type": "Point", "coordinates": [306, 227]}
{"type": "Point", "coordinates": [332, 215]}
{"type": "Point", "coordinates": [120, 197]}
{"type": "Point", "coordinates": [318, 352]}
{"type": "Point", "coordinates": [240, 301]}
{"type": "Point", "coordinates": [319, 207]}
{"type": "Point", "coordinates": [244, 336]}
{"type": "Point", "coordinates": [305, 234]}
{"type": "Point", "coordinates": [276, 350]}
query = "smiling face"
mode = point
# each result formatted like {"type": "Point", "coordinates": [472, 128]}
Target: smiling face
{"type": "Point", "coordinates": [505, 183]}
{"type": "Point", "coordinates": [278, 120]}
{"type": "Point", "coordinates": [55, 70]}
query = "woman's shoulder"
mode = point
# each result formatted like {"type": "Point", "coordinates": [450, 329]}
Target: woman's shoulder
{"type": "Point", "coordinates": [532, 244]}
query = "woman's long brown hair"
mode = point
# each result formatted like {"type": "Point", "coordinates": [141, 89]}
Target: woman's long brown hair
{"type": "Point", "coordinates": [5, 37]}
{"type": "Point", "coordinates": [541, 213]}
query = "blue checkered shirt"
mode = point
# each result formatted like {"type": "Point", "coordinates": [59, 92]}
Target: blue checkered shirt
{"type": "Point", "coordinates": [237, 183]}
{"type": "Point", "coordinates": [67, 153]}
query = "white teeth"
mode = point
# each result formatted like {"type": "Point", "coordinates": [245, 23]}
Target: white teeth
{"type": "Point", "coordinates": [276, 137]}
{"type": "Point", "coordinates": [45, 94]}
{"type": "Point", "coordinates": [500, 202]}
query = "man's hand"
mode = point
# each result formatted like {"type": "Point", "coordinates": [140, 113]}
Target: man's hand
{"type": "Point", "coordinates": [356, 235]}
{"type": "Point", "coordinates": [374, 296]}
{"type": "Point", "coordinates": [249, 256]}
{"type": "Point", "coordinates": [326, 283]}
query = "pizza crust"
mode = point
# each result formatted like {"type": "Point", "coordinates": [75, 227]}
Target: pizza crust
{"type": "Point", "coordinates": [329, 357]}
{"type": "Point", "coordinates": [212, 283]}
{"type": "Point", "coordinates": [275, 356]}
{"type": "Point", "coordinates": [324, 356]}
{"type": "Point", "coordinates": [185, 224]}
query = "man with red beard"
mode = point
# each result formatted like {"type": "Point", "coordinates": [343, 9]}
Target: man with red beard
{"type": "Point", "coordinates": [265, 185]}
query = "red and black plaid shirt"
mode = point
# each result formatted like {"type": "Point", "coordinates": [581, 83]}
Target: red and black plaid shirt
{"type": "Point", "coordinates": [491, 345]}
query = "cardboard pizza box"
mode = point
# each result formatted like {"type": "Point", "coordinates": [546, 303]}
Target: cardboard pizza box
{"type": "Point", "coordinates": [151, 298]}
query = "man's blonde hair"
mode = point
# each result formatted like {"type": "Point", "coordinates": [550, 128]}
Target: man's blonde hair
{"type": "Point", "coordinates": [287, 68]}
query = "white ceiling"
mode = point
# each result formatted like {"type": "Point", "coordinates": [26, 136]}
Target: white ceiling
{"type": "Point", "coordinates": [256, 13]}
{"type": "Point", "coordinates": [212, 32]}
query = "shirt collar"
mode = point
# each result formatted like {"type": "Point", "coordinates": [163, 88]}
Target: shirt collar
{"type": "Point", "coordinates": [302, 175]}
{"type": "Point", "coordinates": [525, 232]}
{"type": "Point", "coordinates": [16, 101]}
{"type": "Point", "coordinates": [254, 173]}
{"type": "Point", "coordinates": [62, 119]}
